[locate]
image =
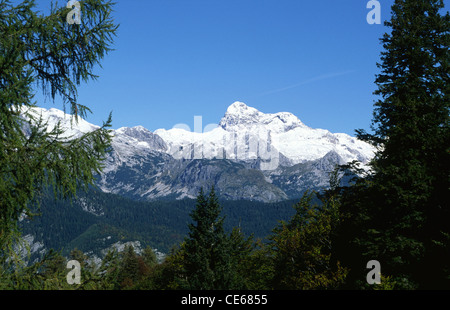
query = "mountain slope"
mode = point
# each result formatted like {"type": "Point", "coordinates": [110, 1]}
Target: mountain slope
{"type": "Point", "coordinates": [248, 155]}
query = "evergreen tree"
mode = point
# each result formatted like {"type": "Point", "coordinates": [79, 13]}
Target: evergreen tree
{"type": "Point", "coordinates": [258, 267]}
{"type": "Point", "coordinates": [129, 268]}
{"type": "Point", "coordinates": [149, 257]}
{"type": "Point", "coordinates": [399, 214]}
{"type": "Point", "coordinates": [242, 269]}
{"type": "Point", "coordinates": [303, 247]}
{"type": "Point", "coordinates": [49, 54]}
{"type": "Point", "coordinates": [207, 260]}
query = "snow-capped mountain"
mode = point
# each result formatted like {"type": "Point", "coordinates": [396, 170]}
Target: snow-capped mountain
{"type": "Point", "coordinates": [246, 133]}
{"type": "Point", "coordinates": [247, 155]}
{"type": "Point", "coordinates": [239, 116]}
{"type": "Point", "coordinates": [72, 128]}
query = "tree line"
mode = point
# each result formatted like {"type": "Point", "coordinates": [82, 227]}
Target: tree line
{"type": "Point", "coordinates": [65, 225]}
{"type": "Point", "coordinates": [209, 258]}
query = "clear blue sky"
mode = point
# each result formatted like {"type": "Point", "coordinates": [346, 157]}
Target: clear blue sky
{"type": "Point", "coordinates": [175, 59]}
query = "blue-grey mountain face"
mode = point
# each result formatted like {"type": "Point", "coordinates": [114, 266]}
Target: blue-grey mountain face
{"type": "Point", "coordinates": [249, 155]}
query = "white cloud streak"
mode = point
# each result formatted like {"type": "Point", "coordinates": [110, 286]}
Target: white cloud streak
{"type": "Point", "coordinates": [311, 80]}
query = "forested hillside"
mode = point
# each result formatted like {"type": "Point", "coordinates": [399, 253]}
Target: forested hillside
{"type": "Point", "coordinates": [96, 220]}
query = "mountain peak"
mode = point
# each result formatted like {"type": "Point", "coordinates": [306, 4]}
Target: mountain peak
{"type": "Point", "coordinates": [241, 115]}
{"type": "Point", "coordinates": [132, 131]}
{"type": "Point", "coordinates": [142, 134]}
{"type": "Point", "coordinates": [240, 108]}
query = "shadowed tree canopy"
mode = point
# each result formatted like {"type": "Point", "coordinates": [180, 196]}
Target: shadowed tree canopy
{"type": "Point", "coordinates": [400, 214]}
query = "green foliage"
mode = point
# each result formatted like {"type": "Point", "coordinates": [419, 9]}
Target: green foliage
{"type": "Point", "coordinates": [124, 270]}
{"type": "Point", "coordinates": [399, 214]}
{"type": "Point", "coordinates": [45, 274]}
{"type": "Point", "coordinates": [257, 268]}
{"type": "Point", "coordinates": [128, 268]}
{"type": "Point", "coordinates": [299, 255]}
{"type": "Point", "coordinates": [149, 257]}
{"type": "Point", "coordinates": [239, 251]}
{"type": "Point", "coordinates": [65, 225]}
{"type": "Point", "coordinates": [47, 53]}
{"type": "Point", "coordinates": [302, 248]}
{"type": "Point", "coordinates": [209, 258]}
{"type": "Point", "coordinates": [387, 284]}
{"type": "Point", "coordinates": [206, 260]}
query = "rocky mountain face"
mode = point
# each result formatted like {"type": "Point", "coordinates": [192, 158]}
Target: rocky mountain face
{"type": "Point", "coordinates": [249, 155]}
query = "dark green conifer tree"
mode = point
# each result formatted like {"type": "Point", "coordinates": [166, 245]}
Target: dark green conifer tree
{"type": "Point", "coordinates": [399, 215]}
{"type": "Point", "coordinates": [149, 257]}
{"type": "Point", "coordinates": [207, 261]}
{"type": "Point", "coordinates": [129, 268]}
{"type": "Point", "coordinates": [46, 53]}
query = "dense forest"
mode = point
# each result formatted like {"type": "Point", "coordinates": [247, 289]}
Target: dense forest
{"type": "Point", "coordinates": [64, 225]}
{"type": "Point", "coordinates": [242, 237]}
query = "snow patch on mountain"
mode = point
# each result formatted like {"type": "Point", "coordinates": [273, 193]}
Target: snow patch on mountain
{"type": "Point", "coordinates": [249, 155]}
